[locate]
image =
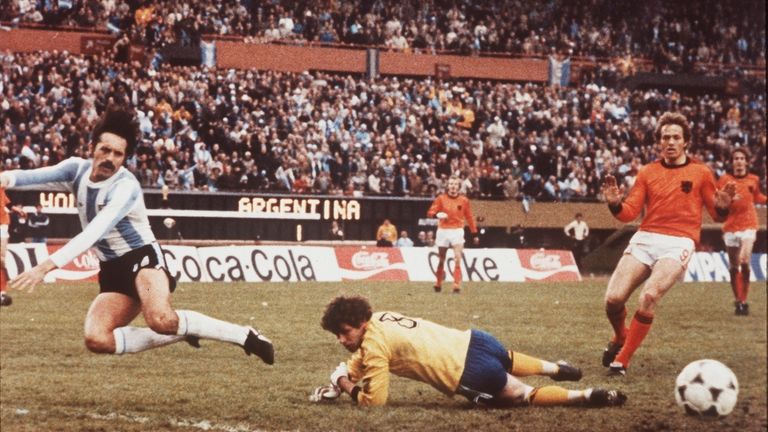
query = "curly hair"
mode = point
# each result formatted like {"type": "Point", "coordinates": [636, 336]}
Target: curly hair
{"type": "Point", "coordinates": [119, 121]}
{"type": "Point", "coordinates": [350, 310]}
{"type": "Point", "coordinates": [669, 118]}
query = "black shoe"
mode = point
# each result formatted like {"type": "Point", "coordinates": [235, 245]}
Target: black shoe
{"type": "Point", "coordinates": [456, 290]}
{"type": "Point", "coordinates": [742, 309]}
{"type": "Point", "coordinates": [606, 398]}
{"type": "Point", "coordinates": [566, 372]}
{"type": "Point", "coordinates": [616, 369]}
{"type": "Point", "coordinates": [5, 299]}
{"type": "Point", "coordinates": [437, 289]}
{"type": "Point", "coordinates": [257, 343]}
{"type": "Point", "coordinates": [610, 352]}
{"type": "Point", "coordinates": [193, 341]}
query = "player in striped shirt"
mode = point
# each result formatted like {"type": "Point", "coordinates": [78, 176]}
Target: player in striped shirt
{"type": "Point", "coordinates": [672, 191]}
{"type": "Point", "coordinates": [452, 211]}
{"type": "Point", "coordinates": [471, 363]}
{"type": "Point", "coordinates": [133, 277]}
{"type": "Point", "coordinates": [740, 228]}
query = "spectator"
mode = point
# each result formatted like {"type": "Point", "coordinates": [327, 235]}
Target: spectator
{"type": "Point", "coordinates": [335, 232]}
{"type": "Point", "coordinates": [37, 225]}
{"type": "Point", "coordinates": [430, 238]}
{"type": "Point", "coordinates": [386, 234]}
{"type": "Point", "coordinates": [578, 231]}
{"type": "Point", "coordinates": [421, 239]}
{"type": "Point", "coordinates": [404, 240]}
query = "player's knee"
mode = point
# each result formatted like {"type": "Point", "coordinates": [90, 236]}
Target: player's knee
{"type": "Point", "coordinates": [650, 299]}
{"type": "Point", "coordinates": [163, 322]}
{"type": "Point", "coordinates": [613, 302]}
{"type": "Point", "coordinates": [100, 343]}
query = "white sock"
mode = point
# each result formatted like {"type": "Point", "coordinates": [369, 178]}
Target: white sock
{"type": "Point", "coordinates": [197, 324]}
{"type": "Point", "coordinates": [548, 368]}
{"type": "Point", "coordinates": [527, 390]}
{"type": "Point", "coordinates": [129, 340]}
{"type": "Point", "coordinates": [579, 395]}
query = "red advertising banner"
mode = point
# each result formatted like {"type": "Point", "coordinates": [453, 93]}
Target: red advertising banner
{"type": "Point", "coordinates": [85, 267]}
{"type": "Point", "coordinates": [548, 265]}
{"type": "Point", "coordinates": [362, 263]}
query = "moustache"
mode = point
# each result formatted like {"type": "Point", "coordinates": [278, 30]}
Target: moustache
{"type": "Point", "coordinates": [107, 165]}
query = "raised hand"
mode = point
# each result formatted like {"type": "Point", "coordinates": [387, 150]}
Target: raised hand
{"type": "Point", "coordinates": [611, 191]}
{"type": "Point", "coordinates": [724, 196]}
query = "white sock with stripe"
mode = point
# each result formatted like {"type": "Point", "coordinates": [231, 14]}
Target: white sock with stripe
{"type": "Point", "coordinates": [197, 324]}
{"type": "Point", "coordinates": [129, 340]}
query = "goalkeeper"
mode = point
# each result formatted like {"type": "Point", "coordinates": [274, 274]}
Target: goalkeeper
{"type": "Point", "coordinates": [471, 363]}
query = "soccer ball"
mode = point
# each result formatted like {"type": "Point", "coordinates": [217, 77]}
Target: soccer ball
{"type": "Point", "coordinates": [325, 393]}
{"type": "Point", "coordinates": [707, 388]}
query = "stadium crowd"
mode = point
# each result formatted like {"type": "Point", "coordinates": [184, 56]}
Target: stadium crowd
{"type": "Point", "coordinates": [333, 134]}
{"type": "Point", "coordinates": [669, 33]}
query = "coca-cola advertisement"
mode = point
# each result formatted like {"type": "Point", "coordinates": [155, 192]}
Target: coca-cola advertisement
{"type": "Point", "coordinates": [85, 267]}
{"type": "Point", "coordinates": [363, 263]}
{"type": "Point", "coordinates": [549, 265]}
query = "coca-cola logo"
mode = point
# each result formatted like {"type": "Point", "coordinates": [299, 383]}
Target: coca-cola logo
{"type": "Point", "coordinates": [542, 261]}
{"type": "Point", "coordinates": [365, 260]}
{"type": "Point", "coordinates": [86, 261]}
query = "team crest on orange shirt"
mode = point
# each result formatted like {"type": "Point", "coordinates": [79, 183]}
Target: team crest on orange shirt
{"type": "Point", "coordinates": [686, 186]}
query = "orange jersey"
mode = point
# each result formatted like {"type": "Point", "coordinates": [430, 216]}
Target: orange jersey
{"type": "Point", "coordinates": [672, 197]}
{"type": "Point", "coordinates": [742, 214]}
{"type": "Point", "coordinates": [5, 218]}
{"type": "Point", "coordinates": [457, 209]}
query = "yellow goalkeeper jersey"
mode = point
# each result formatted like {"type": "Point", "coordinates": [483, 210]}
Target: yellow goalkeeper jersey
{"type": "Point", "coordinates": [408, 347]}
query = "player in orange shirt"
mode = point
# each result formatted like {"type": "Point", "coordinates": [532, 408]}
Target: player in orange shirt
{"type": "Point", "coordinates": [740, 228]}
{"type": "Point", "coordinates": [5, 221]}
{"type": "Point", "coordinates": [672, 191]}
{"type": "Point", "coordinates": [452, 211]}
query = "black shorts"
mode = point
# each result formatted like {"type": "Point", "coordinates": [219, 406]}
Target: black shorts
{"type": "Point", "coordinates": [119, 275]}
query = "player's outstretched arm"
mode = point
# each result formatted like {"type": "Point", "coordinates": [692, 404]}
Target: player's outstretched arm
{"type": "Point", "coordinates": [30, 278]}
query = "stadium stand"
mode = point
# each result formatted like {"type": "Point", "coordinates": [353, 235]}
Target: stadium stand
{"type": "Point", "coordinates": [673, 34]}
{"type": "Point", "coordinates": [207, 129]}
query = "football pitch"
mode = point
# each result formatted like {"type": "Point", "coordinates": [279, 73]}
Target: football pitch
{"type": "Point", "coordinates": [49, 381]}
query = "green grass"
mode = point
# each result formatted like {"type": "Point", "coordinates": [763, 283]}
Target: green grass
{"type": "Point", "coordinates": [48, 381]}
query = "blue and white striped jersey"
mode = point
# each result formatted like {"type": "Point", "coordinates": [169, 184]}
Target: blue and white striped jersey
{"type": "Point", "coordinates": [112, 212]}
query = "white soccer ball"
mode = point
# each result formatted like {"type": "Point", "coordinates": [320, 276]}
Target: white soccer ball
{"type": "Point", "coordinates": [325, 393]}
{"type": "Point", "coordinates": [707, 388]}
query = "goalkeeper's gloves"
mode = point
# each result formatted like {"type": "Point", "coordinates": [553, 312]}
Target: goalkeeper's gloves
{"type": "Point", "coordinates": [341, 371]}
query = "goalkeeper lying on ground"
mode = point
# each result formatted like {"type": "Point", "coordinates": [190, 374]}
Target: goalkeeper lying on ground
{"type": "Point", "coordinates": [471, 363]}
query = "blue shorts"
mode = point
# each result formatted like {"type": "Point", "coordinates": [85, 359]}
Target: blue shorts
{"type": "Point", "coordinates": [485, 369]}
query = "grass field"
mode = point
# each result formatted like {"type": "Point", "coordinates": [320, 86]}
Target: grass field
{"type": "Point", "coordinates": [48, 381]}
